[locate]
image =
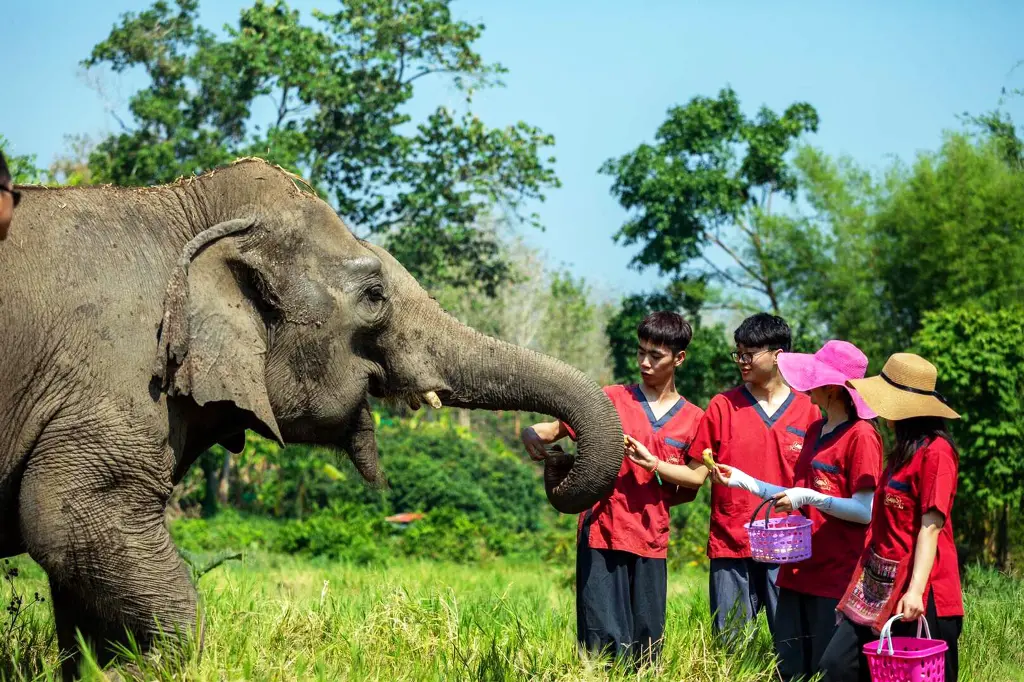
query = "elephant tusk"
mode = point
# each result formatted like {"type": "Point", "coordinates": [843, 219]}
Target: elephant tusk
{"type": "Point", "coordinates": [432, 400]}
{"type": "Point", "coordinates": [413, 402]}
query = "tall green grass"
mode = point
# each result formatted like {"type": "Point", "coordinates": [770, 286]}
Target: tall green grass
{"type": "Point", "coordinates": [274, 617]}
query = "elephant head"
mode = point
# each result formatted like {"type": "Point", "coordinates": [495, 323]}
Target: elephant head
{"type": "Point", "coordinates": [277, 318]}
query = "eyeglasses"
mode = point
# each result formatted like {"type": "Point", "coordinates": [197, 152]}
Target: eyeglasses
{"type": "Point", "coordinates": [747, 358]}
{"type": "Point", "coordinates": [16, 195]}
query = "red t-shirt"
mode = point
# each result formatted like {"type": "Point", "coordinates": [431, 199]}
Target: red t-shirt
{"type": "Point", "coordinates": [635, 517]}
{"type": "Point", "coordinates": [926, 482]}
{"type": "Point", "coordinates": [846, 460]}
{"type": "Point", "coordinates": [740, 434]}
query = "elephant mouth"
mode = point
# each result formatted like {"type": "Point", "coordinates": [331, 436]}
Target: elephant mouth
{"type": "Point", "coordinates": [414, 399]}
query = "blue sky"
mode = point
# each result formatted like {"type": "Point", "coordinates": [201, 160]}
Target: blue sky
{"type": "Point", "coordinates": [887, 78]}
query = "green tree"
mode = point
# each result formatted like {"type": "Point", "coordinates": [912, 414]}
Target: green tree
{"type": "Point", "coordinates": [704, 190]}
{"type": "Point", "coordinates": [573, 327]}
{"type": "Point", "coordinates": [979, 358]}
{"type": "Point", "coordinates": [340, 88]}
{"type": "Point", "coordinates": [876, 253]}
{"type": "Point", "coordinates": [22, 166]}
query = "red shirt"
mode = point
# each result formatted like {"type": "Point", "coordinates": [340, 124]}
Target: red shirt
{"type": "Point", "coordinates": [635, 517]}
{"type": "Point", "coordinates": [845, 461]}
{"type": "Point", "coordinates": [926, 482]}
{"type": "Point", "coordinates": [740, 434]}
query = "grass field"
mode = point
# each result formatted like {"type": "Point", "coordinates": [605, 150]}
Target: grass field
{"type": "Point", "coordinates": [280, 618]}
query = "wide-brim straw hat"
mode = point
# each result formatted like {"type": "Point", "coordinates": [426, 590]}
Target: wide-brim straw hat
{"type": "Point", "coordinates": [905, 389]}
{"type": "Point", "coordinates": [833, 365]}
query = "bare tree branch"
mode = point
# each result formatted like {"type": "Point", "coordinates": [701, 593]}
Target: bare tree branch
{"type": "Point", "coordinates": [427, 72]}
{"type": "Point", "coordinates": [729, 278]}
{"type": "Point", "coordinates": [282, 108]}
{"type": "Point", "coordinates": [732, 254]}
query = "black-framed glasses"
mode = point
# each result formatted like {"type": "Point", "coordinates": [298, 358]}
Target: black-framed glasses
{"type": "Point", "coordinates": [747, 358]}
{"type": "Point", "coordinates": [15, 194]}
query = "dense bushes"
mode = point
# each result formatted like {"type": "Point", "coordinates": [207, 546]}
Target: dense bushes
{"type": "Point", "coordinates": [428, 464]}
{"type": "Point", "coordinates": [481, 500]}
{"type": "Point", "coordinates": [348, 533]}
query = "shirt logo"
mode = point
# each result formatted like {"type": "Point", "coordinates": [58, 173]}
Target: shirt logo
{"type": "Point", "coordinates": [823, 484]}
{"type": "Point", "coordinates": [894, 501]}
{"type": "Point", "coordinates": [796, 446]}
{"type": "Point", "coordinates": [673, 460]}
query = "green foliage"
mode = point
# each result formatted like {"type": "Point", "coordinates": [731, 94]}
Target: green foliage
{"type": "Point", "coordinates": [978, 355]}
{"type": "Point", "coordinates": [22, 167]}
{"type": "Point", "coordinates": [540, 307]}
{"type": "Point", "coordinates": [878, 253]}
{"type": "Point", "coordinates": [690, 523]}
{"type": "Point", "coordinates": [288, 618]}
{"type": "Point", "coordinates": [344, 532]}
{"type": "Point", "coordinates": [429, 465]}
{"type": "Point", "coordinates": [341, 86]}
{"type": "Point", "coordinates": [434, 465]}
{"type": "Point", "coordinates": [228, 530]}
{"type": "Point", "coordinates": [710, 169]}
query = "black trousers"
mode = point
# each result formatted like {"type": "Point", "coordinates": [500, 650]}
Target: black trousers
{"type": "Point", "coordinates": [620, 603]}
{"type": "Point", "coordinates": [804, 625]}
{"type": "Point", "coordinates": [844, 661]}
{"type": "Point", "coordinates": [738, 590]}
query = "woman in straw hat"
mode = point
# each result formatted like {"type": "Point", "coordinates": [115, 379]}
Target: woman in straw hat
{"type": "Point", "coordinates": [836, 475]}
{"type": "Point", "coordinates": [910, 566]}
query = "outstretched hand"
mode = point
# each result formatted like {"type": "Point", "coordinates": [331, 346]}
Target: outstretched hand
{"type": "Point", "coordinates": [722, 474]}
{"type": "Point", "coordinates": [639, 454]}
{"type": "Point", "coordinates": [534, 444]}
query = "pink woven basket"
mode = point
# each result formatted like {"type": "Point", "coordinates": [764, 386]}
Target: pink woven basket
{"type": "Point", "coordinates": [906, 659]}
{"type": "Point", "coordinates": [782, 540]}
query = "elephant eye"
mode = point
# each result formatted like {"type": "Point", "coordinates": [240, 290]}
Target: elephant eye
{"type": "Point", "coordinates": [375, 293]}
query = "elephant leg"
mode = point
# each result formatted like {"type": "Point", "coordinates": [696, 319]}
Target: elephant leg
{"type": "Point", "coordinates": [98, 531]}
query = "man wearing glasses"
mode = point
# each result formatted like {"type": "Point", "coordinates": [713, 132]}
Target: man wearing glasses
{"type": "Point", "coordinates": [9, 198]}
{"type": "Point", "coordinates": [761, 424]}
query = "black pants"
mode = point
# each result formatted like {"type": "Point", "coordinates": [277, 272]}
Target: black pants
{"type": "Point", "coordinates": [620, 603]}
{"type": "Point", "coordinates": [739, 589]}
{"type": "Point", "coordinates": [803, 628]}
{"type": "Point", "coordinates": [844, 661]}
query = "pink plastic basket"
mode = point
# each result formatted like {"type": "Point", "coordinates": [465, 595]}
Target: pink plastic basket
{"type": "Point", "coordinates": [782, 540]}
{"type": "Point", "coordinates": [906, 659]}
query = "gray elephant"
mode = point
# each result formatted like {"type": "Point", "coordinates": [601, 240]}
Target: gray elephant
{"type": "Point", "coordinates": [138, 327]}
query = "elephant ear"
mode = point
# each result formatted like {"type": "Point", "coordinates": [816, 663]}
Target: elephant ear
{"type": "Point", "coordinates": [212, 340]}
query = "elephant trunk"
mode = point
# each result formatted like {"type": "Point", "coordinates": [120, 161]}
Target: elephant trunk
{"type": "Point", "coordinates": [483, 372]}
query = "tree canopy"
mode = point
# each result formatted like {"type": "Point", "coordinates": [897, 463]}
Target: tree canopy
{"type": "Point", "coordinates": [331, 99]}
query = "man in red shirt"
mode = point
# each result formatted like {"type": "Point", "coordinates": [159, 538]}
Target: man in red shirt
{"type": "Point", "coordinates": [758, 427]}
{"type": "Point", "coordinates": [622, 541]}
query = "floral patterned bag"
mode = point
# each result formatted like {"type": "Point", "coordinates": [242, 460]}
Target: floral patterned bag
{"type": "Point", "coordinates": [877, 587]}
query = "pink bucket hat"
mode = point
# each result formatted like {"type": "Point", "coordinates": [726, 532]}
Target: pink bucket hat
{"type": "Point", "coordinates": [834, 364]}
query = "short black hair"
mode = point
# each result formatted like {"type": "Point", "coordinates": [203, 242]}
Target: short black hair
{"type": "Point", "coordinates": [666, 328]}
{"type": "Point", "coordinates": [5, 173]}
{"type": "Point", "coordinates": [764, 330]}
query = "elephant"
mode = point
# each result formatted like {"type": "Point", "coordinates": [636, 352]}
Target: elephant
{"type": "Point", "coordinates": [141, 326]}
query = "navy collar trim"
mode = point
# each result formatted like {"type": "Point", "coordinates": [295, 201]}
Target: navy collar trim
{"type": "Point", "coordinates": [772, 420]}
{"type": "Point", "coordinates": [825, 439]}
{"type": "Point", "coordinates": [665, 418]}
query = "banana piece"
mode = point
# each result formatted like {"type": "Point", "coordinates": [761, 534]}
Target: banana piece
{"type": "Point", "coordinates": [708, 457]}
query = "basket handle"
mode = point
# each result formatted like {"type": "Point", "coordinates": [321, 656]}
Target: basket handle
{"type": "Point", "coordinates": [771, 504]}
{"type": "Point", "coordinates": [886, 635]}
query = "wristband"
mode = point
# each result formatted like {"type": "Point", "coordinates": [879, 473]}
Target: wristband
{"type": "Point", "coordinates": [654, 471]}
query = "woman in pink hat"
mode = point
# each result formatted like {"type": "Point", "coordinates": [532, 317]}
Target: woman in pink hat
{"type": "Point", "coordinates": [837, 473]}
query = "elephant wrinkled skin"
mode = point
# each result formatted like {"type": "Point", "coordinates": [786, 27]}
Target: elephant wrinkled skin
{"type": "Point", "coordinates": [138, 327]}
